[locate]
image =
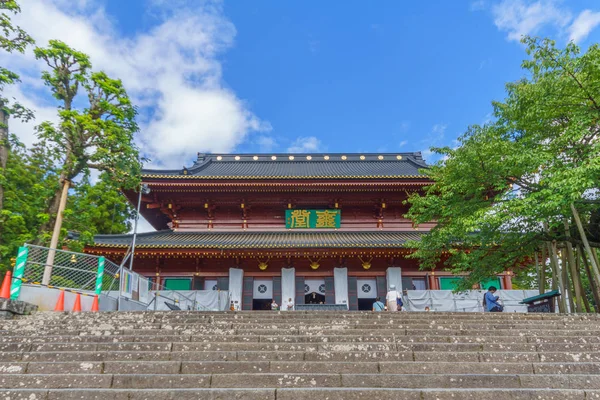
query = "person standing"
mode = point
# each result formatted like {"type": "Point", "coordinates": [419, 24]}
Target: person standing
{"type": "Point", "coordinates": [274, 305]}
{"type": "Point", "coordinates": [290, 305]}
{"type": "Point", "coordinates": [378, 305]}
{"type": "Point", "coordinates": [392, 298]}
{"type": "Point", "coordinates": [491, 300]}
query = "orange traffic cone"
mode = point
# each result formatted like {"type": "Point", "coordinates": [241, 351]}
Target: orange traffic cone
{"type": "Point", "coordinates": [60, 303]}
{"type": "Point", "coordinates": [95, 304]}
{"type": "Point", "coordinates": [77, 305]}
{"type": "Point", "coordinates": [5, 288]}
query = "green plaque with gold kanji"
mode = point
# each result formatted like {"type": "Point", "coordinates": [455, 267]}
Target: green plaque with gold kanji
{"type": "Point", "coordinates": [312, 219]}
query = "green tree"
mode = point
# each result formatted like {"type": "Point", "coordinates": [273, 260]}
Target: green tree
{"type": "Point", "coordinates": [12, 38]}
{"type": "Point", "coordinates": [30, 180]}
{"type": "Point", "coordinates": [98, 136]}
{"type": "Point", "coordinates": [97, 209]}
{"type": "Point", "coordinates": [507, 190]}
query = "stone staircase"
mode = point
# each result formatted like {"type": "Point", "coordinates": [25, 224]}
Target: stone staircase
{"type": "Point", "coordinates": [299, 355]}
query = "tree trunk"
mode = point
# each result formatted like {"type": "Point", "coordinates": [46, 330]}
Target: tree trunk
{"type": "Point", "coordinates": [564, 269]}
{"type": "Point", "coordinates": [557, 276]}
{"type": "Point", "coordinates": [586, 302]}
{"type": "Point", "coordinates": [56, 234]}
{"type": "Point", "coordinates": [3, 149]}
{"type": "Point", "coordinates": [573, 269]}
{"type": "Point", "coordinates": [543, 272]}
{"type": "Point", "coordinates": [592, 280]}
{"type": "Point", "coordinates": [52, 212]}
{"type": "Point", "coordinates": [586, 244]}
{"type": "Point", "coordinates": [538, 272]}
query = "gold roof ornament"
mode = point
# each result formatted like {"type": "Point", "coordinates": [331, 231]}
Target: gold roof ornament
{"type": "Point", "coordinates": [263, 265]}
{"type": "Point", "coordinates": [366, 264]}
{"type": "Point", "coordinates": [314, 264]}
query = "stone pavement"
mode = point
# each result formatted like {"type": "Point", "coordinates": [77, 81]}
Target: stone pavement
{"type": "Point", "coordinates": [299, 355]}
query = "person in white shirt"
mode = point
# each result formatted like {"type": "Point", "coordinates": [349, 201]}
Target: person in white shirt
{"type": "Point", "coordinates": [392, 299]}
{"type": "Point", "coordinates": [290, 304]}
{"type": "Point", "coordinates": [274, 306]}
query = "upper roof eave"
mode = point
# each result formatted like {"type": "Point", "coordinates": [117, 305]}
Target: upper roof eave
{"type": "Point", "coordinates": [325, 166]}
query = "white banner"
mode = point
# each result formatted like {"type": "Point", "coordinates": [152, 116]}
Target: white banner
{"type": "Point", "coordinates": [366, 288]}
{"type": "Point", "coordinates": [393, 276]}
{"type": "Point", "coordinates": [340, 285]}
{"type": "Point", "coordinates": [288, 287]}
{"type": "Point", "coordinates": [236, 280]}
{"type": "Point", "coordinates": [314, 286]}
{"type": "Point", "coordinates": [263, 289]}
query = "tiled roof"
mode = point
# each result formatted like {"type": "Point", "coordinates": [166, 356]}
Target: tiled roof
{"type": "Point", "coordinates": [260, 240]}
{"type": "Point", "coordinates": [298, 166]}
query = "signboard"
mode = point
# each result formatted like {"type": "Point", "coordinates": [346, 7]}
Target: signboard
{"type": "Point", "coordinates": [312, 219]}
{"type": "Point", "coordinates": [544, 306]}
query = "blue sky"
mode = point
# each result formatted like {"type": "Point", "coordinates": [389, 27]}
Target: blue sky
{"type": "Point", "coordinates": [310, 76]}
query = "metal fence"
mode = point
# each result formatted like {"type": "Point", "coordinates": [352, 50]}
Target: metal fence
{"type": "Point", "coordinates": [89, 273]}
{"type": "Point", "coordinates": [69, 270]}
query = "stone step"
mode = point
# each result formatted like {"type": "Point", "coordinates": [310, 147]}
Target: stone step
{"type": "Point", "coordinates": [287, 380]}
{"type": "Point", "coordinates": [366, 355]}
{"type": "Point", "coordinates": [390, 345]}
{"type": "Point", "coordinates": [374, 337]}
{"type": "Point", "coordinates": [299, 393]}
{"type": "Point", "coordinates": [258, 367]}
{"type": "Point", "coordinates": [479, 323]}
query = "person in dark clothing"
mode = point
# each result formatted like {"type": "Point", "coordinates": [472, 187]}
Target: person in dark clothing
{"type": "Point", "coordinates": [490, 300]}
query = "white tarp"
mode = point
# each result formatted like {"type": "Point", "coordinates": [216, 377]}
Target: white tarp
{"type": "Point", "coordinates": [236, 281]}
{"type": "Point", "coordinates": [211, 300]}
{"type": "Point", "coordinates": [469, 301]}
{"type": "Point", "coordinates": [143, 290]}
{"type": "Point", "coordinates": [340, 285]}
{"type": "Point", "coordinates": [263, 289]}
{"type": "Point", "coordinates": [366, 288]}
{"type": "Point", "coordinates": [393, 276]}
{"type": "Point", "coordinates": [199, 300]}
{"type": "Point", "coordinates": [288, 287]}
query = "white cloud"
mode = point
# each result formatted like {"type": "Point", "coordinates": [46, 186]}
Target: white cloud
{"type": "Point", "coordinates": [583, 25]}
{"type": "Point", "coordinates": [266, 143]}
{"type": "Point", "coordinates": [25, 131]}
{"type": "Point", "coordinates": [439, 129]}
{"type": "Point", "coordinates": [521, 17]}
{"type": "Point", "coordinates": [172, 72]}
{"type": "Point", "coordinates": [477, 5]}
{"type": "Point", "coordinates": [403, 143]}
{"type": "Point", "coordinates": [308, 144]}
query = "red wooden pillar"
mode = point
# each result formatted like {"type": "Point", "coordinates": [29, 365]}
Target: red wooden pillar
{"type": "Point", "coordinates": [507, 282]}
{"type": "Point", "coordinates": [433, 282]}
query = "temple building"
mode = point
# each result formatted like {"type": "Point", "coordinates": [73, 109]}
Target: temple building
{"type": "Point", "coordinates": [316, 228]}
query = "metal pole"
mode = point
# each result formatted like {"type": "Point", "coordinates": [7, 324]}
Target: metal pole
{"type": "Point", "coordinates": [137, 218]}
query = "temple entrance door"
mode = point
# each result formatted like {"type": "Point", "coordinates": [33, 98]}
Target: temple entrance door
{"type": "Point", "coordinates": [366, 293]}
{"type": "Point", "coordinates": [314, 291]}
{"type": "Point", "coordinates": [262, 294]}
{"type": "Point", "coordinates": [314, 298]}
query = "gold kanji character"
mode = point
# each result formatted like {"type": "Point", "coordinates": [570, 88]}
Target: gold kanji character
{"type": "Point", "coordinates": [326, 219]}
{"type": "Point", "coordinates": [299, 219]}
